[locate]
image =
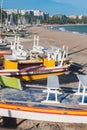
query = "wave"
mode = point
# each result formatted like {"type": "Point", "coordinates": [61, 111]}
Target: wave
{"type": "Point", "coordinates": [75, 32]}
{"type": "Point", "coordinates": [62, 29]}
{"type": "Point", "coordinates": [75, 29]}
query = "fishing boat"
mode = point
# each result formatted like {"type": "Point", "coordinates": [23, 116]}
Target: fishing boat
{"type": "Point", "coordinates": [4, 49]}
{"type": "Point", "coordinates": [50, 103]}
{"type": "Point", "coordinates": [32, 72]}
{"type": "Point", "coordinates": [2, 43]}
{"type": "Point", "coordinates": [33, 67]}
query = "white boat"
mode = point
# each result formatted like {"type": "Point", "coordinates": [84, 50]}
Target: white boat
{"type": "Point", "coordinates": [50, 103]}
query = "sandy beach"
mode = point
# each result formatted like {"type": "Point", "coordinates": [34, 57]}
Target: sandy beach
{"type": "Point", "coordinates": [77, 45]}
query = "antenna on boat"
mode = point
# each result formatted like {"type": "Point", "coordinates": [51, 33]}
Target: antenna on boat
{"type": "Point", "coordinates": [37, 40]}
{"type": "Point", "coordinates": [1, 17]}
{"type": "Point", "coordinates": [34, 39]}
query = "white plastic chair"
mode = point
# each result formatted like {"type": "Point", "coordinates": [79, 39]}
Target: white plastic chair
{"type": "Point", "coordinates": [52, 87]}
{"type": "Point", "coordinates": [82, 84]}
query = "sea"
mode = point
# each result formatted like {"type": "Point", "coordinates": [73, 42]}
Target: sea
{"type": "Point", "coordinates": [76, 29]}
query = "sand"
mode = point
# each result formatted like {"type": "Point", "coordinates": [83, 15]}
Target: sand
{"type": "Point", "coordinates": [77, 44]}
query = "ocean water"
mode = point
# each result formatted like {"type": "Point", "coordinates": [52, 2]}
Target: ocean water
{"type": "Point", "coordinates": [81, 29]}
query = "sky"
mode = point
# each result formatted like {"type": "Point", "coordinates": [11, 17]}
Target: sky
{"type": "Point", "coordinates": [67, 7]}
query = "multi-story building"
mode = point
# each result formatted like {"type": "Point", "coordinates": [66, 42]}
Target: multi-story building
{"type": "Point", "coordinates": [34, 13]}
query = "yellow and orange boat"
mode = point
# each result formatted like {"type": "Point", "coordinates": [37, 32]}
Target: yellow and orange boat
{"type": "Point", "coordinates": [52, 62]}
{"type": "Point", "coordinates": [12, 68]}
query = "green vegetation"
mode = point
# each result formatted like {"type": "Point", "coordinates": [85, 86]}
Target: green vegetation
{"type": "Point", "coordinates": [4, 15]}
{"type": "Point", "coordinates": [65, 20]}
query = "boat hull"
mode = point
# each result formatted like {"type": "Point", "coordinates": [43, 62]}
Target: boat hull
{"type": "Point", "coordinates": [5, 52]}
{"type": "Point", "coordinates": [34, 73]}
{"type": "Point", "coordinates": [43, 114]}
{"type": "Point", "coordinates": [29, 104]}
{"type": "Point", "coordinates": [30, 77]}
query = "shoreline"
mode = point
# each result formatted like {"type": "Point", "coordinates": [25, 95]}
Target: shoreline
{"type": "Point", "coordinates": [62, 29]}
{"type": "Point", "coordinates": [47, 25]}
{"type": "Point", "coordinates": [60, 38]}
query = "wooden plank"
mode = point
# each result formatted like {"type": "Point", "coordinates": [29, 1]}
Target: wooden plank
{"type": "Point", "coordinates": [10, 82]}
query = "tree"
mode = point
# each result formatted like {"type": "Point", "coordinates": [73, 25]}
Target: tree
{"type": "Point", "coordinates": [3, 15]}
